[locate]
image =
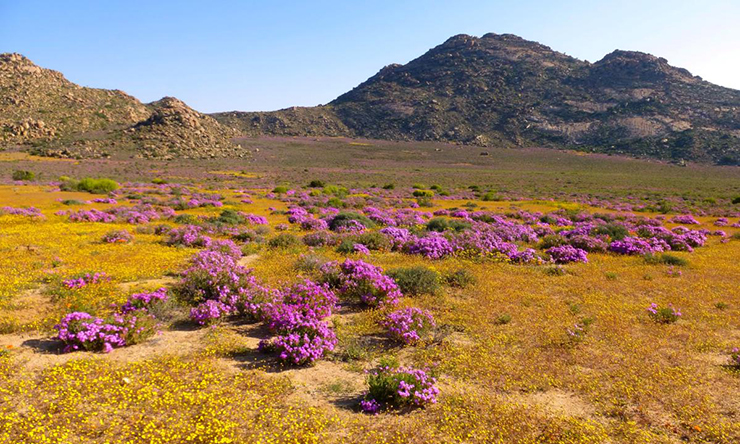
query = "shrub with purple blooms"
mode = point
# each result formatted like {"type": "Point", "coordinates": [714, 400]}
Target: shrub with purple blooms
{"type": "Point", "coordinates": [408, 325]}
{"type": "Point", "coordinates": [566, 254]}
{"type": "Point", "coordinates": [663, 315]}
{"type": "Point", "coordinates": [118, 237]}
{"type": "Point", "coordinates": [358, 280]}
{"type": "Point", "coordinates": [398, 387]}
{"type": "Point", "coordinates": [132, 323]}
{"type": "Point", "coordinates": [302, 342]}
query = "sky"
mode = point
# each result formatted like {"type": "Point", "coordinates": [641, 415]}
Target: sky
{"type": "Point", "coordinates": [266, 55]}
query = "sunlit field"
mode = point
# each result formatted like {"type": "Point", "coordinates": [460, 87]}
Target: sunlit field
{"type": "Point", "coordinates": [369, 298]}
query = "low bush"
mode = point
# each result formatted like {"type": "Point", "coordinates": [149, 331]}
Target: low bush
{"type": "Point", "coordinates": [461, 278]}
{"type": "Point", "coordinates": [345, 219]}
{"type": "Point", "coordinates": [97, 186]}
{"type": "Point", "coordinates": [284, 240]}
{"type": "Point", "coordinates": [23, 175]}
{"type": "Point", "coordinates": [666, 259]}
{"type": "Point", "coordinates": [396, 387]}
{"type": "Point", "coordinates": [663, 315]}
{"type": "Point", "coordinates": [414, 281]}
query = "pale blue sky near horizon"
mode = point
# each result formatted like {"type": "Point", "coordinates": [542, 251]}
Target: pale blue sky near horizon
{"type": "Point", "coordinates": [261, 55]}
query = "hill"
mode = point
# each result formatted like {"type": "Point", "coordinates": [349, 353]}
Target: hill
{"type": "Point", "coordinates": [41, 109]}
{"type": "Point", "coordinates": [504, 90]}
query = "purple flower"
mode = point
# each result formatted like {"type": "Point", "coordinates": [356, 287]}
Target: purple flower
{"type": "Point", "coordinates": [566, 253]}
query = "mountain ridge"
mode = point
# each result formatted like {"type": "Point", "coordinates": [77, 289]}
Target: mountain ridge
{"type": "Point", "coordinates": [501, 89]}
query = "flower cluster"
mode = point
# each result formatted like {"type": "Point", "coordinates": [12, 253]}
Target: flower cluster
{"type": "Point", "coordinates": [408, 325]}
{"type": "Point", "coordinates": [27, 212]}
{"type": "Point", "coordinates": [399, 387]}
{"type": "Point", "coordinates": [118, 237]}
{"type": "Point", "coordinates": [85, 280]}
{"type": "Point", "coordinates": [663, 315]}
{"type": "Point", "coordinates": [685, 219]}
{"type": "Point", "coordinates": [735, 357]}
{"type": "Point", "coordinates": [356, 279]}
{"type": "Point", "coordinates": [130, 324]}
{"type": "Point", "coordinates": [567, 253]}
{"type": "Point", "coordinates": [189, 236]}
{"type": "Point", "coordinates": [434, 246]}
{"type": "Point", "coordinates": [301, 342]}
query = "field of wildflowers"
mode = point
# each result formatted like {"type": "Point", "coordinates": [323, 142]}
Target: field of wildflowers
{"type": "Point", "coordinates": [223, 310]}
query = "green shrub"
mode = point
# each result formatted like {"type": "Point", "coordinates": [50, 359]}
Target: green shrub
{"type": "Point", "coordinates": [423, 193]}
{"type": "Point", "coordinates": [186, 219]}
{"type": "Point", "coordinates": [346, 246]}
{"type": "Point", "coordinates": [23, 175]}
{"type": "Point", "coordinates": [158, 181]}
{"type": "Point", "coordinates": [229, 217]}
{"type": "Point", "coordinates": [336, 191]}
{"type": "Point", "coordinates": [309, 263]}
{"type": "Point", "coordinates": [666, 259]}
{"type": "Point", "coordinates": [97, 186]}
{"type": "Point", "coordinates": [249, 236]}
{"type": "Point", "coordinates": [440, 224]}
{"type": "Point", "coordinates": [425, 202]}
{"type": "Point", "coordinates": [316, 184]}
{"type": "Point", "coordinates": [342, 219]}
{"type": "Point", "coordinates": [72, 202]}
{"type": "Point", "coordinates": [414, 281]}
{"type": "Point", "coordinates": [284, 240]}
{"type": "Point", "coordinates": [436, 187]}
{"type": "Point", "coordinates": [491, 197]}
{"type": "Point", "coordinates": [502, 319]}
{"type": "Point", "coordinates": [418, 186]}
{"type": "Point", "coordinates": [390, 186]}
{"type": "Point", "coordinates": [552, 240]}
{"type": "Point", "coordinates": [461, 278]}
{"type": "Point", "coordinates": [555, 270]}
{"type": "Point", "coordinates": [280, 189]}
{"type": "Point", "coordinates": [736, 200]}
{"type": "Point", "coordinates": [614, 231]}
{"type": "Point", "coordinates": [373, 240]}
{"type": "Point", "coordinates": [335, 202]}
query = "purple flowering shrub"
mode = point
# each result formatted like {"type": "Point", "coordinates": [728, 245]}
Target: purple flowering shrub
{"type": "Point", "coordinates": [663, 315]}
{"type": "Point", "coordinates": [218, 286]}
{"type": "Point", "coordinates": [84, 280]}
{"type": "Point", "coordinates": [118, 237]}
{"type": "Point", "coordinates": [433, 246]}
{"type": "Point", "coordinates": [301, 342]}
{"type": "Point", "coordinates": [397, 387]}
{"type": "Point", "coordinates": [131, 324]}
{"type": "Point", "coordinates": [566, 254]}
{"type": "Point", "coordinates": [685, 219]}
{"type": "Point", "coordinates": [26, 211]}
{"type": "Point", "coordinates": [735, 357]}
{"type": "Point", "coordinates": [360, 281]}
{"type": "Point", "coordinates": [408, 325]}
{"type": "Point", "coordinates": [189, 236]}
{"type": "Point", "coordinates": [312, 300]}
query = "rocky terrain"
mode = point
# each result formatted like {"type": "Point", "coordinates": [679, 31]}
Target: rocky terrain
{"type": "Point", "coordinates": [504, 90]}
{"type": "Point", "coordinates": [43, 111]}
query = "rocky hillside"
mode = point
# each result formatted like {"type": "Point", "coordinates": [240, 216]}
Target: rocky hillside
{"type": "Point", "coordinates": [175, 130]}
{"type": "Point", "coordinates": [502, 89]}
{"type": "Point", "coordinates": [41, 109]}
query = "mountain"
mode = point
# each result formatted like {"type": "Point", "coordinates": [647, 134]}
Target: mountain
{"type": "Point", "coordinates": [41, 109]}
{"type": "Point", "coordinates": [504, 90]}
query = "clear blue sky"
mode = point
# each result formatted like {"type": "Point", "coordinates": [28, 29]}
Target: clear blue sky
{"type": "Point", "coordinates": [264, 55]}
